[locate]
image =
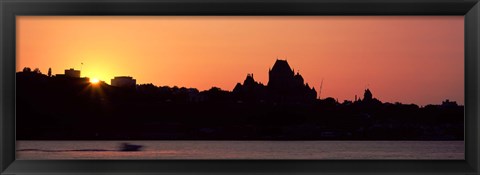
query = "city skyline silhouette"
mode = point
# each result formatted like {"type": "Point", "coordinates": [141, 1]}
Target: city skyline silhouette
{"type": "Point", "coordinates": [286, 108]}
{"type": "Point", "coordinates": [281, 68]}
{"type": "Point", "coordinates": [406, 59]}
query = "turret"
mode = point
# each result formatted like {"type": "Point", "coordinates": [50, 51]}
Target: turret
{"type": "Point", "coordinates": [367, 96]}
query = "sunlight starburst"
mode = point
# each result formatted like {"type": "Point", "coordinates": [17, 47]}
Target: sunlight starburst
{"type": "Point", "coordinates": [94, 80]}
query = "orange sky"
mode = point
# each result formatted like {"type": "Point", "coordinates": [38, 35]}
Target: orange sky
{"type": "Point", "coordinates": [408, 59]}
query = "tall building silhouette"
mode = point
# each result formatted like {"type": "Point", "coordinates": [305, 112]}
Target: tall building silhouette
{"type": "Point", "coordinates": [284, 86]}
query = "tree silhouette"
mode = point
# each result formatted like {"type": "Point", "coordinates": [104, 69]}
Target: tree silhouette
{"type": "Point", "coordinates": [27, 69]}
{"type": "Point", "coordinates": [37, 70]}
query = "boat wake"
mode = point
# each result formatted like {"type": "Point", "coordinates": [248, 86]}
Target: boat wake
{"type": "Point", "coordinates": [123, 147]}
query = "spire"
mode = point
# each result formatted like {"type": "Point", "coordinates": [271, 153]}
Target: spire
{"type": "Point", "coordinates": [320, 91]}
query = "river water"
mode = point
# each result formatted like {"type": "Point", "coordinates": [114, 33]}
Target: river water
{"type": "Point", "coordinates": [323, 150]}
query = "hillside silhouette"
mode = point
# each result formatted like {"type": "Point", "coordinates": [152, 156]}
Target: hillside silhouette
{"type": "Point", "coordinates": [69, 107]}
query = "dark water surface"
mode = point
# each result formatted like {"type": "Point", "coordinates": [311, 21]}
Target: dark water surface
{"type": "Point", "coordinates": [243, 150]}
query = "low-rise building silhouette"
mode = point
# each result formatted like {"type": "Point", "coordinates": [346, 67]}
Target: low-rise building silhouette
{"type": "Point", "coordinates": [69, 73]}
{"type": "Point", "coordinates": [72, 73]}
{"type": "Point", "coordinates": [250, 90]}
{"type": "Point", "coordinates": [447, 103]}
{"type": "Point", "coordinates": [124, 82]}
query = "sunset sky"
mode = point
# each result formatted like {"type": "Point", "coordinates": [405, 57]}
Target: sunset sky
{"type": "Point", "coordinates": [408, 59]}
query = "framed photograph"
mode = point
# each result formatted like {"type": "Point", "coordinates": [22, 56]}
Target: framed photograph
{"type": "Point", "coordinates": [339, 87]}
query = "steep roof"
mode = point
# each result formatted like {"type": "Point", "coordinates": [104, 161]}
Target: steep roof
{"type": "Point", "coordinates": [281, 65]}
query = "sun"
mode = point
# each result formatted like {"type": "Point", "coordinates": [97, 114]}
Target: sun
{"type": "Point", "coordinates": [94, 80]}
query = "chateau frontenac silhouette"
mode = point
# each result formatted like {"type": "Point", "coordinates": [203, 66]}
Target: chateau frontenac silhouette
{"type": "Point", "coordinates": [283, 86]}
{"type": "Point", "coordinates": [67, 106]}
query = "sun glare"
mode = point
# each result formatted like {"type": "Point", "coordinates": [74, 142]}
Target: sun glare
{"type": "Point", "coordinates": [94, 80]}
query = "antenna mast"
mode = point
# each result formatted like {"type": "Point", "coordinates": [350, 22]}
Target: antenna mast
{"type": "Point", "coordinates": [320, 91]}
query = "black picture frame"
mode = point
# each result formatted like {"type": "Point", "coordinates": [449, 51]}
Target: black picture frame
{"type": "Point", "coordinates": [11, 8]}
